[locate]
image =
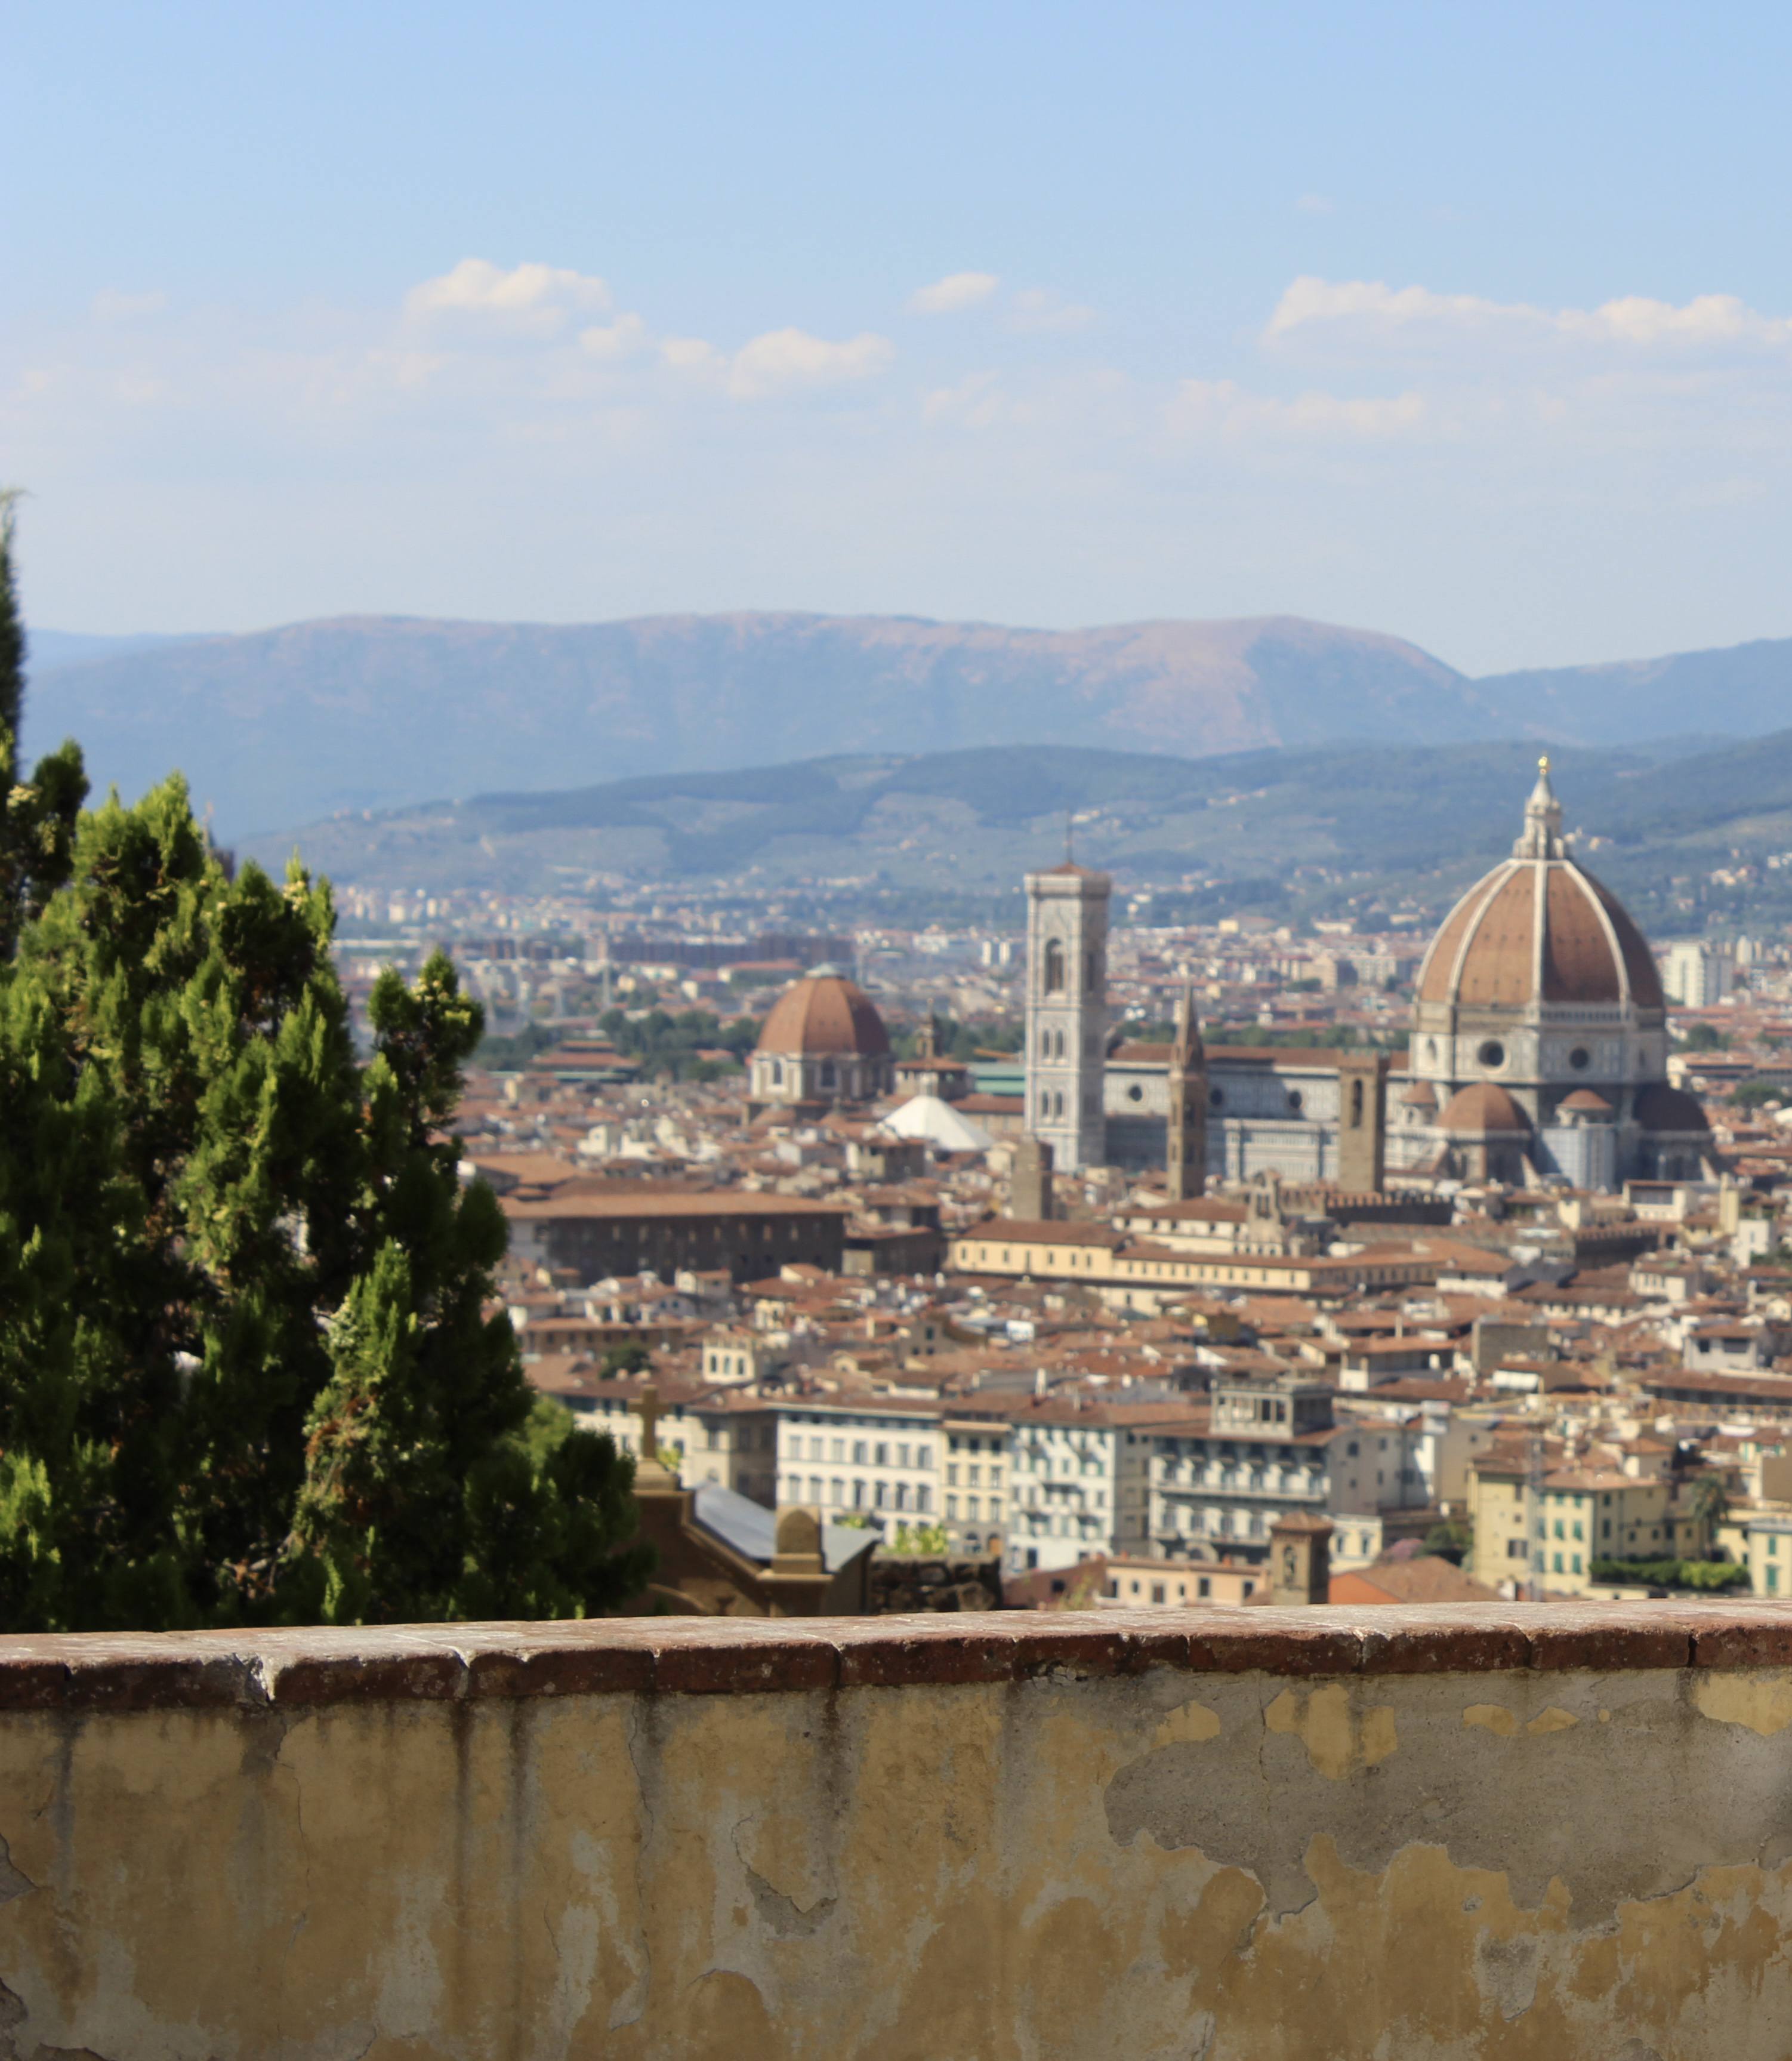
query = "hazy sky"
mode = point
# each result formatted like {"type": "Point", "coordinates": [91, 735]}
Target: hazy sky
{"type": "Point", "coordinates": [1471, 323]}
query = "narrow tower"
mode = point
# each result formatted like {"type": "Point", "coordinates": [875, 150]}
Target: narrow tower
{"type": "Point", "coordinates": [1067, 1013]}
{"type": "Point", "coordinates": [1185, 1144]}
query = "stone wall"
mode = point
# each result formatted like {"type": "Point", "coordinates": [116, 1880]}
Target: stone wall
{"type": "Point", "coordinates": [1553, 1832]}
{"type": "Point", "coordinates": [907, 1582]}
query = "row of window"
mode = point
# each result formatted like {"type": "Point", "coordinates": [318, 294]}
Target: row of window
{"type": "Point", "coordinates": [865, 1452]}
{"type": "Point", "coordinates": [973, 1511]}
{"type": "Point", "coordinates": [860, 1495]}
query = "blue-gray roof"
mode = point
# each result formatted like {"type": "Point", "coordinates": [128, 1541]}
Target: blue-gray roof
{"type": "Point", "coordinates": [750, 1528]}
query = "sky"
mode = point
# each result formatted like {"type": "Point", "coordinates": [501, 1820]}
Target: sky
{"type": "Point", "coordinates": [1468, 324]}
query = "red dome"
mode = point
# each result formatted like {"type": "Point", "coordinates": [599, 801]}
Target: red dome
{"type": "Point", "coordinates": [1481, 1107]}
{"type": "Point", "coordinates": [1493, 949]}
{"type": "Point", "coordinates": [825, 1016]}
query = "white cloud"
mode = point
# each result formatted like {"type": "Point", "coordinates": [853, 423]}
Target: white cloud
{"type": "Point", "coordinates": [535, 298]}
{"type": "Point", "coordinates": [109, 306]}
{"type": "Point", "coordinates": [956, 290]}
{"type": "Point", "coordinates": [1035, 309]}
{"type": "Point", "coordinates": [612, 340]}
{"type": "Point", "coordinates": [1223, 408]}
{"type": "Point", "coordinates": [1370, 311]}
{"type": "Point", "coordinates": [781, 359]}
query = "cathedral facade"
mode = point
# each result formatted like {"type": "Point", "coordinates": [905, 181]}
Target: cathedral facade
{"type": "Point", "coordinates": [1538, 1051]}
{"type": "Point", "coordinates": [1539, 1038]}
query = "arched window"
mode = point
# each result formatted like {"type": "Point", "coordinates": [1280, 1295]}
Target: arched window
{"type": "Point", "coordinates": [778, 1073]}
{"type": "Point", "coordinates": [1061, 1044]}
{"type": "Point", "coordinates": [1057, 1103]}
{"type": "Point", "coordinates": [1055, 967]}
{"type": "Point", "coordinates": [1356, 1105]}
{"type": "Point", "coordinates": [827, 1073]}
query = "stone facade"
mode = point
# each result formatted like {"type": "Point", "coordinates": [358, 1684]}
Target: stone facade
{"type": "Point", "coordinates": [1067, 1013]}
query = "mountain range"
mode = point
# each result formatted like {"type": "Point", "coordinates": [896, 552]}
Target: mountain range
{"type": "Point", "coordinates": [278, 728]}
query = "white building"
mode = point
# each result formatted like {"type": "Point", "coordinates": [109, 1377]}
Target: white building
{"type": "Point", "coordinates": [879, 1459]}
{"type": "Point", "coordinates": [1078, 1472]}
{"type": "Point", "coordinates": [1696, 975]}
{"type": "Point", "coordinates": [1271, 1448]}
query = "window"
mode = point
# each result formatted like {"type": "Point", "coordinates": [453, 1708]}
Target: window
{"type": "Point", "coordinates": [1580, 1059]}
{"type": "Point", "coordinates": [1492, 1053]}
{"type": "Point", "coordinates": [1773, 1579]}
{"type": "Point", "coordinates": [1356, 1105]}
{"type": "Point", "coordinates": [1558, 1564]}
{"type": "Point", "coordinates": [951, 1505]}
{"type": "Point", "coordinates": [1576, 1563]}
{"type": "Point", "coordinates": [1203, 1587]}
{"type": "Point", "coordinates": [952, 1473]}
{"type": "Point", "coordinates": [837, 1493]}
{"type": "Point", "coordinates": [970, 1505]}
{"type": "Point", "coordinates": [901, 1456]}
{"type": "Point", "coordinates": [1157, 1592]}
{"type": "Point", "coordinates": [1055, 967]}
{"type": "Point", "coordinates": [858, 1452]}
{"type": "Point", "coordinates": [883, 1495]}
{"type": "Point", "coordinates": [858, 1495]}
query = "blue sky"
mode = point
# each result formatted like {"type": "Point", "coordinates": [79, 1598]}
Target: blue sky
{"type": "Point", "coordinates": [1469, 324]}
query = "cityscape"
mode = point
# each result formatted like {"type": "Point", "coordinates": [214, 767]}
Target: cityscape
{"type": "Point", "coordinates": [895, 1033]}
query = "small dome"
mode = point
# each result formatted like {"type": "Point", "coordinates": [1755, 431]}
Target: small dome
{"type": "Point", "coordinates": [825, 1016]}
{"type": "Point", "coordinates": [1660, 1108]}
{"type": "Point", "coordinates": [1480, 1108]}
{"type": "Point", "coordinates": [1586, 1101]}
{"type": "Point", "coordinates": [1420, 1095]}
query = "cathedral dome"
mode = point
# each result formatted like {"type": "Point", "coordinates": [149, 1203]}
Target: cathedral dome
{"type": "Point", "coordinates": [1481, 1108]}
{"type": "Point", "coordinates": [1539, 929]}
{"type": "Point", "coordinates": [1660, 1108]}
{"type": "Point", "coordinates": [825, 1016]}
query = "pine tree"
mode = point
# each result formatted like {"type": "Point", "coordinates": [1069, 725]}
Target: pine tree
{"type": "Point", "coordinates": [435, 1488]}
{"type": "Point", "coordinates": [37, 820]}
{"type": "Point", "coordinates": [247, 1371]}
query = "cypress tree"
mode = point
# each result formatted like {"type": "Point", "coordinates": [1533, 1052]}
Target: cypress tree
{"type": "Point", "coordinates": [248, 1369]}
{"type": "Point", "coordinates": [36, 819]}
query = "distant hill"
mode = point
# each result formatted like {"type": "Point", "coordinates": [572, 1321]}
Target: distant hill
{"type": "Point", "coordinates": [1738, 692]}
{"type": "Point", "coordinates": [1421, 820]}
{"type": "Point", "coordinates": [281, 726]}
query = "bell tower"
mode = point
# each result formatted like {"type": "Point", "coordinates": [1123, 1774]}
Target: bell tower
{"type": "Point", "coordinates": [1185, 1143]}
{"type": "Point", "coordinates": [1067, 1013]}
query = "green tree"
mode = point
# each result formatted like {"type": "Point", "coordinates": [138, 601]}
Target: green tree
{"type": "Point", "coordinates": [36, 817]}
{"type": "Point", "coordinates": [247, 1370]}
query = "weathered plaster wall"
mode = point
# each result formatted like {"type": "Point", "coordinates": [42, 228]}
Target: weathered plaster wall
{"type": "Point", "coordinates": [1553, 1832]}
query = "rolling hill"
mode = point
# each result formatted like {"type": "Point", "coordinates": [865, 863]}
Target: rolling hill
{"type": "Point", "coordinates": [1418, 820]}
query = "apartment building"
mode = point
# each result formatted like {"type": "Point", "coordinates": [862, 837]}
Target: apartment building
{"type": "Point", "coordinates": [1272, 1447]}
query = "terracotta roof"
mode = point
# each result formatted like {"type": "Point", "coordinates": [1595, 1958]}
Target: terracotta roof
{"type": "Point", "coordinates": [825, 1016]}
{"type": "Point", "coordinates": [1428, 1579]}
{"type": "Point", "coordinates": [1660, 1108]}
{"type": "Point", "coordinates": [1595, 1105]}
{"type": "Point", "coordinates": [1483, 1106]}
{"type": "Point", "coordinates": [1493, 952]}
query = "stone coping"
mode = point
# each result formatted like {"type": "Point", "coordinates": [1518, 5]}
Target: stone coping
{"type": "Point", "coordinates": [102, 1671]}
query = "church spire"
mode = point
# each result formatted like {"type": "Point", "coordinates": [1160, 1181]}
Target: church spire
{"type": "Point", "coordinates": [1541, 835]}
